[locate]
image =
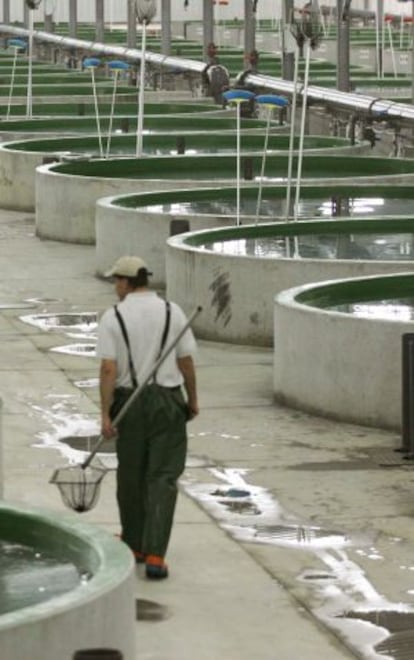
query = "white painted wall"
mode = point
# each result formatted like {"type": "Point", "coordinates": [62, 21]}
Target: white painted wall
{"type": "Point", "coordinates": [115, 10]}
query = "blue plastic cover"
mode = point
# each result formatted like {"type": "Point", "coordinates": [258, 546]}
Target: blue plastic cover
{"type": "Point", "coordinates": [238, 95]}
{"type": "Point", "coordinates": [91, 62]}
{"type": "Point", "coordinates": [19, 43]}
{"type": "Point", "coordinates": [272, 99]}
{"type": "Point", "coordinates": [118, 64]}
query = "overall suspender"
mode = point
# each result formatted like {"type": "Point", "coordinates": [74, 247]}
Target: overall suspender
{"type": "Point", "coordinates": [132, 372]}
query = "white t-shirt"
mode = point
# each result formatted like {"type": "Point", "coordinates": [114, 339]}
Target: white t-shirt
{"type": "Point", "coordinates": [144, 315]}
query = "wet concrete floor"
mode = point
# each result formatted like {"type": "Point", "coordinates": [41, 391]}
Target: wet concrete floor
{"type": "Point", "coordinates": [290, 540]}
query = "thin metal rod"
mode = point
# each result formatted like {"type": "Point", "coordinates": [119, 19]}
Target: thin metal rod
{"type": "Point", "coordinates": [140, 122]}
{"type": "Point", "coordinates": [98, 121]}
{"type": "Point", "coordinates": [135, 394]}
{"type": "Point", "coordinates": [29, 107]}
{"type": "Point", "coordinates": [12, 82]}
{"type": "Point", "coordinates": [394, 67]}
{"type": "Point", "coordinates": [111, 118]}
{"type": "Point", "coordinates": [302, 132]}
{"type": "Point", "coordinates": [292, 135]}
{"type": "Point", "coordinates": [266, 142]}
{"type": "Point", "coordinates": [238, 165]}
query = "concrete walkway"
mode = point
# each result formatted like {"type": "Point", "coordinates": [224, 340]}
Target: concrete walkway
{"type": "Point", "coordinates": [285, 522]}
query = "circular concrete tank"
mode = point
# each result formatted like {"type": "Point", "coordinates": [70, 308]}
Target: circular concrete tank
{"type": "Point", "coordinates": [340, 364]}
{"type": "Point", "coordinates": [18, 160]}
{"type": "Point", "coordinates": [57, 626]}
{"type": "Point", "coordinates": [148, 220]}
{"type": "Point", "coordinates": [235, 273]}
{"type": "Point", "coordinates": [76, 186]}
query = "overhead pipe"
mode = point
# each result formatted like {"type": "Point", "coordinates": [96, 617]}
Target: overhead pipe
{"type": "Point", "coordinates": [362, 105]}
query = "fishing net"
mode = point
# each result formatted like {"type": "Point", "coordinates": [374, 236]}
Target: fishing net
{"type": "Point", "coordinates": [79, 486]}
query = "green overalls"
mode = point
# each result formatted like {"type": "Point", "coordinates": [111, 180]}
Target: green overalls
{"type": "Point", "coordinates": [151, 450]}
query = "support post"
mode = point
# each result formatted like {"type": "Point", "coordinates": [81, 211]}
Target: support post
{"type": "Point", "coordinates": [26, 15]}
{"type": "Point", "coordinates": [73, 18]}
{"type": "Point", "coordinates": [48, 21]}
{"type": "Point", "coordinates": [100, 21]}
{"type": "Point", "coordinates": [408, 393]}
{"type": "Point", "coordinates": [342, 53]}
{"type": "Point", "coordinates": [288, 41]}
{"type": "Point", "coordinates": [132, 25]}
{"type": "Point", "coordinates": [249, 27]}
{"type": "Point", "coordinates": [165, 27]}
{"type": "Point", "coordinates": [208, 25]}
{"type": "Point", "coordinates": [6, 12]}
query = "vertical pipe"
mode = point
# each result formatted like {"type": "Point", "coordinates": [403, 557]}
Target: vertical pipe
{"type": "Point", "coordinates": [26, 15]}
{"type": "Point", "coordinates": [100, 21]}
{"type": "Point", "coordinates": [288, 46]}
{"type": "Point", "coordinates": [48, 22]}
{"type": "Point", "coordinates": [140, 122]}
{"type": "Point", "coordinates": [6, 11]}
{"type": "Point", "coordinates": [111, 117]}
{"type": "Point", "coordinates": [73, 18]}
{"type": "Point", "coordinates": [266, 143]}
{"type": "Point", "coordinates": [292, 136]}
{"type": "Point", "coordinates": [166, 27]}
{"type": "Point", "coordinates": [12, 82]}
{"type": "Point", "coordinates": [98, 121]}
{"type": "Point", "coordinates": [302, 130]}
{"type": "Point", "coordinates": [249, 27]}
{"type": "Point", "coordinates": [1, 450]}
{"type": "Point", "coordinates": [238, 165]}
{"type": "Point", "coordinates": [342, 54]}
{"type": "Point", "coordinates": [132, 25]}
{"type": "Point", "coordinates": [208, 25]}
{"type": "Point", "coordinates": [412, 53]}
{"type": "Point", "coordinates": [380, 38]}
{"type": "Point", "coordinates": [29, 105]}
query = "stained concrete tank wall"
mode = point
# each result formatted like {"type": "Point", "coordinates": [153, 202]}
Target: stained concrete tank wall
{"type": "Point", "coordinates": [65, 204]}
{"type": "Point", "coordinates": [337, 365]}
{"type": "Point", "coordinates": [237, 292]}
{"type": "Point", "coordinates": [122, 231]}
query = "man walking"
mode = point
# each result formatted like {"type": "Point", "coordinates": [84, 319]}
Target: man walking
{"type": "Point", "coordinates": [152, 439]}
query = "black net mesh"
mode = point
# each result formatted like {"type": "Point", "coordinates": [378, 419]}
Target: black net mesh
{"type": "Point", "coordinates": [78, 486]}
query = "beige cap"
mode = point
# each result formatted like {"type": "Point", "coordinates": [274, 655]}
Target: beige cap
{"type": "Point", "coordinates": [127, 267]}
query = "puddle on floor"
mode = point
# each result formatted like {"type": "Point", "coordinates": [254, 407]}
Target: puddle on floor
{"type": "Point", "coordinates": [16, 305]}
{"type": "Point", "coordinates": [300, 534]}
{"type": "Point", "coordinates": [149, 610]}
{"type": "Point", "coordinates": [87, 443]}
{"type": "Point", "coordinates": [86, 384]}
{"type": "Point", "coordinates": [340, 585]}
{"type": "Point", "coordinates": [79, 350]}
{"type": "Point", "coordinates": [85, 322]}
{"type": "Point", "coordinates": [43, 301]}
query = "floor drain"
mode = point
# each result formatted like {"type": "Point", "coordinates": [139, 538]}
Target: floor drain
{"type": "Point", "coordinates": [242, 507]}
{"type": "Point", "coordinates": [316, 576]}
{"type": "Point", "coordinates": [399, 645]}
{"type": "Point", "coordinates": [87, 443]}
{"type": "Point", "coordinates": [297, 534]}
{"type": "Point", "coordinates": [392, 620]}
{"type": "Point", "coordinates": [149, 610]}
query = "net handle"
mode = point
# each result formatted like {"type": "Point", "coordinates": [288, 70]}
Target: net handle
{"type": "Point", "coordinates": [135, 394]}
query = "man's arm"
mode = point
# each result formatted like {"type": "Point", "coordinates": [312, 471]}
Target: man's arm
{"type": "Point", "coordinates": [107, 378]}
{"type": "Point", "coordinates": [186, 366]}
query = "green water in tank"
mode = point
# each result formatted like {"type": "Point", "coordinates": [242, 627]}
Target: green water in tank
{"type": "Point", "coordinates": [29, 576]}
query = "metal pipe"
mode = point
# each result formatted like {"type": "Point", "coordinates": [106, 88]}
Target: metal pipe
{"type": "Point", "coordinates": [361, 105]}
